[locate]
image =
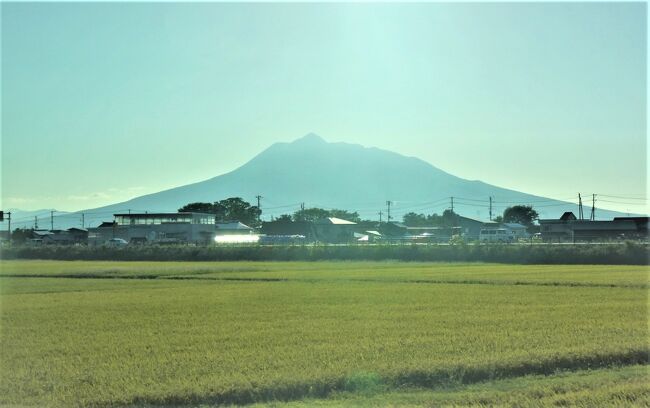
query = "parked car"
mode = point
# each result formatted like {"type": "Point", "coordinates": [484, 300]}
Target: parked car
{"type": "Point", "coordinates": [496, 235]}
{"type": "Point", "coordinates": [118, 242]}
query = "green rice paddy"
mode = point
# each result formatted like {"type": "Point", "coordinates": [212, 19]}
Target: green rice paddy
{"type": "Point", "coordinates": [81, 333]}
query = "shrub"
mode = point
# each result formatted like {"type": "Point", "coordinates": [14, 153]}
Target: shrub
{"type": "Point", "coordinates": [627, 253]}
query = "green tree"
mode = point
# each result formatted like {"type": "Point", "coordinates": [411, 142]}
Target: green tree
{"type": "Point", "coordinates": [449, 219]}
{"type": "Point", "coordinates": [345, 215]}
{"type": "Point", "coordinates": [230, 209]}
{"type": "Point", "coordinates": [207, 208]}
{"type": "Point", "coordinates": [434, 220]}
{"type": "Point", "coordinates": [310, 214]}
{"type": "Point", "coordinates": [415, 220]}
{"type": "Point", "coordinates": [283, 218]}
{"type": "Point", "coordinates": [313, 214]}
{"type": "Point", "coordinates": [522, 214]}
{"type": "Point", "coordinates": [20, 235]}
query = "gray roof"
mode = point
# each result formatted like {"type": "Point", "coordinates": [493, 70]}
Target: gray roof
{"type": "Point", "coordinates": [233, 226]}
{"type": "Point", "coordinates": [335, 221]}
{"type": "Point", "coordinates": [462, 217]}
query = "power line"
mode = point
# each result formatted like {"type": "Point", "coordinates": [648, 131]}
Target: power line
{"type": "Point", "coordinates": [621, 202]}
{"type": "Point", "coordinates": [471, 199]}
{"type": "Point", "coordinates": [623, 197]}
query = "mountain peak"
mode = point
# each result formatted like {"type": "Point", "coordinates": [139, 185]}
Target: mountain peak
{"type": "Point", "coordinates": [311, 138]}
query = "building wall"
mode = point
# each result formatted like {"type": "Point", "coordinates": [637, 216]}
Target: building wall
{"type": "Point", "coordinates": [471, 229]}
{"type": "Point", "coordinates": [161, 233]}
{"type": "Point", "coordinates": [334, 233]}
{"type": "Point", "coordinates": [588, 230]}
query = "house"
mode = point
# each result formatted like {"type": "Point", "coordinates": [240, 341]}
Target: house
{"type": "Point", "coordinates": [334, 230]}
{"type": "Point", "coordinates": [367, 236]}
{"type": "Point", "coordinates": [398, 232]}
{"type": "Point", "coordinates": [570, 229]}
{"type": "Point", "coordinates": [642, 224]}
{"type": "Point", "coordinates": [156, 228]}
{"type": "Point", "coordinates": [234, 232]}
{"type": "Point", "coordinates": [78, 235]}
{"type": "Point", "coordinates": [70, 236]}
{"type": "Point", "coordinates": [393, 230]}
{"type": "Point", "coordinates": [287, 231]}
{"type": "Point", "coordinates": [330, 230]}
{"type": "Point", "coordinates": [471, 228]}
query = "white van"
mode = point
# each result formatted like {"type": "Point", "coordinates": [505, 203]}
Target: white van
{"type": "Point", "coordinates": [496, 235]}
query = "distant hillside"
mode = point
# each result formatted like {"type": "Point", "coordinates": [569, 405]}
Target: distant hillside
{"type": "Point", "coordinates": [27, 218]}
{"type": "Point", "coordinates": [346, 176]}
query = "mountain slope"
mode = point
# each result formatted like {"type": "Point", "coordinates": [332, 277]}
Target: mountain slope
{"type": "Point", "coordinates": [347, 176]}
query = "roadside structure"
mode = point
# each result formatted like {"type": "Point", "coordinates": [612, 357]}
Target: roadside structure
{"type": "Point", "coordinates": [570, 229]}
{"type": "Point", "coordinates": [232, 228]}
{"type": "Point", "coordinates": [328, 230]}
{"type": "Point", "coordinates": [287, 232]}
{"type": "Point", "coordinates": [183, 227]}
{"type": "Point", "coordinates": [70, 236]}
{"type": "Point", "coordinates": [399, 232]}
{"type": "Point", "coordinates": [471, 228]}
{"type": "Point", "coordinates": [334, 230]}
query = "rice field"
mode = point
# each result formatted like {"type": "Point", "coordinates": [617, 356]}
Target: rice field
{"type": "Point", "coordinates": [85, 333]}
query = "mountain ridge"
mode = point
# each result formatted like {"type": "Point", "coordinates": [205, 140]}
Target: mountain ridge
{"type": "Point", "coordinates": [342, 175]}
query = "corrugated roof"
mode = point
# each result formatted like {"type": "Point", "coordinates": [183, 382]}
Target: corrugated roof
{"type": "Point", "coordinates": [232, 226]}
{"type": "Point", "coordinates": [339, 221]}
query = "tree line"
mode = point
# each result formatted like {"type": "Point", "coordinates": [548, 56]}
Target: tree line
{"type": "Point", "coordinates": [521, 214]}
{"type": "Point", "coordinates": [236, 209]}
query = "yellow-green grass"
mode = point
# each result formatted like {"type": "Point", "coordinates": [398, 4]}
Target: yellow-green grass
{"type": "Point", "coordinates": [79, 342]}
{"type": "Point", "coordinates": [587, 275]}
{"type": "Point", "coordinates": [613, 387]}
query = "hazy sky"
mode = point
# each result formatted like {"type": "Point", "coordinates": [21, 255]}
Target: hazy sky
{"type": "Point", "coordinates": [106, 101]}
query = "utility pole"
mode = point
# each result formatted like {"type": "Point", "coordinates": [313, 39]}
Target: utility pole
{"type": "Point", "coordinates": [259, 197]}
{"type": "Point", "coordinates": [580, 214]}
{"type": "Point", "coordinates": [380, 213]}
{"type": "Point", "coordinates": [36, 222]}
{"type": "Point", "coordinates": [490, 213]}
{"type": "Point", "coordinates": [51, 220]}
{"type": "Point", "coordinates": [593, 207]}
{"type": "Point", "coordinates": [302, 206]}
{"type": "Point", "coordinates": [8, 214]}
{"type": "Point", "coordinates": [452, 204]}
{"type": "Point", "coordinates": [388, 203]}
{"type": "Point", "coordinates": [83, 221]}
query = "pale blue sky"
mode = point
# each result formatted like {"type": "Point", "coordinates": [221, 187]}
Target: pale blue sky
{"type": "Point", "coordinates": [106, 101]}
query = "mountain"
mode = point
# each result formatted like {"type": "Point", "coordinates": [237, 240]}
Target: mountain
{"type": "Point", "coordinates": [26, 218]}
{"type": "Point", "coordinates": [345, 176]}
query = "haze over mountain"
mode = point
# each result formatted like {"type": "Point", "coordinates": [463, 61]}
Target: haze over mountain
{"type": "Point", "coordinates": [339, 175]}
